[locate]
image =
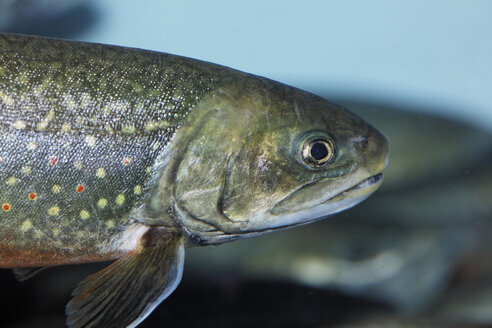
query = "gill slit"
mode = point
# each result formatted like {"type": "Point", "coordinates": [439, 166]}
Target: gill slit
{"type": "Point", "coordinates": [220, 200]}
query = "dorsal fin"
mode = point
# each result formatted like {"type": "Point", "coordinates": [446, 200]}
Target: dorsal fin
{"type": "Point", "coordinates": [126, 292]}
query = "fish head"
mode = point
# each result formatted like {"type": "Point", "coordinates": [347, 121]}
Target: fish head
{"type": "Point", "coordinates": [269, 156]}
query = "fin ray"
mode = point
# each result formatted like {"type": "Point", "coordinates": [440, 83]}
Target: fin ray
{"type": "Point", "coordinates": [22, 274]}
{"type": "Point", "coordinates": [124, 293]}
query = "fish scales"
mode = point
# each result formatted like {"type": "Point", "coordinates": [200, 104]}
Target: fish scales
{"type": "Point", "coordinates": [81, 128]}
{"type": "Point", "coordinates": [115, 153]}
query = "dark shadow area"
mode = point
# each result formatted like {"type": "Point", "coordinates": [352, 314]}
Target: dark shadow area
{"type": "Point", "coordinates": [198, 301]}
{"type": "Point", "coordinates": [257, 303]}
{"type": "Point", "coordinates": [205, 301]}
{"type": "Point", "coordinates": [68, 23]}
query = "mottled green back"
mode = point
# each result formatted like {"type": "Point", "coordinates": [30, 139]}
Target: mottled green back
{"type": "Point", "coordinates": [81, 128]}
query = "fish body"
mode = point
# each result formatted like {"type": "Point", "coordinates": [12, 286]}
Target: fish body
{"type": "Point", "coordinates": [115, 153]}
{"type": "Point", "coordinates": [83, 127]}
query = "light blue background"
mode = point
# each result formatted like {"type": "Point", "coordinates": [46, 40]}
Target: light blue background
{"type": "Point", "coordinates": [434, 55]}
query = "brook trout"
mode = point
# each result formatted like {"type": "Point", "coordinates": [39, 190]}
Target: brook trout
{"type": "Point", "coordinates": [111, 153]}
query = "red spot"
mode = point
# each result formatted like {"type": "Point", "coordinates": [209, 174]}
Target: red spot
{"type": "Point", "coordinates": [126, 161]}
{"type": "Point", "coordinates": [132, 252]}
{"type": "Point", "coordinates": [6, 207]}
{"type": "Point", "coordinates": [33, 196]}
{"type": "Point", "coordinates": [80, 188]}
{"type": "Point", "coordinates": [53, 160]}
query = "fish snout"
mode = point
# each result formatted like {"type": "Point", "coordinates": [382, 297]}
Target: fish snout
{"type": "Point", "coordinates": [380, 151]}
{"type": "Point", "coordinates": [374, 151]}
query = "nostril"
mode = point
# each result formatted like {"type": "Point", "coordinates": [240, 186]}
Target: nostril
{"type": "Point", "coordinates": [360, 141]}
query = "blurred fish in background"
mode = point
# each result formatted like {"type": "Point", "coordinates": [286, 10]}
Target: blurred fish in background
{"type": "Point", "coordinates": [417, 254]}
{"type": "Point", "coordinates": [52, 18]}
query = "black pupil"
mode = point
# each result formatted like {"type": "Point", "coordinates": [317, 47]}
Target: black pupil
{"type": "Point", "coordinates": [319, 151]}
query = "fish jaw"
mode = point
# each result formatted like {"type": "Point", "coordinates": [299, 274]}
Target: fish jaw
{"type": "Point", "coordinates": [275, 219]}
{"type": "Point", "coordinates": [282, 216]}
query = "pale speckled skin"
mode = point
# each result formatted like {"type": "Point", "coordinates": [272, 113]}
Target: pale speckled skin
{"type": "Point", "coordinates": [83, 114]}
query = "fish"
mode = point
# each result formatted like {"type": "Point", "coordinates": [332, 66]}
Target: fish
{"type": "Point", "coordinates": [113, 153]}
{"type": "Point", "coordinates": [27, 14]}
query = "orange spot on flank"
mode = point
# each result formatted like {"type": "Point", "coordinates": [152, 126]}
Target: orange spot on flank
{"type": "Point", "coordinates": [32, 196]}
{"type": "Point", "coordinates": [80, 188]}
{"type": "Point", "coordinates": [6, 207]}
{"type": "Point", "coordinates": [53, 160]}
{"type": "Point", "coordinates": [126, 161]}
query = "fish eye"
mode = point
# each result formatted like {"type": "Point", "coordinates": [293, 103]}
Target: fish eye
{"type": "Point", "coordinates": [318, 152]}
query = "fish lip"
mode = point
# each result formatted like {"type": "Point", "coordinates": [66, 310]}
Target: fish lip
{"type": "Point", "coordinates": [371, 181]}
{"type": "Point", "coordinates": [366, 183]}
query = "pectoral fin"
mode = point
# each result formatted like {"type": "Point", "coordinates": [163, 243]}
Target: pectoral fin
{"type": "Point", "coordinates": [126, 292]}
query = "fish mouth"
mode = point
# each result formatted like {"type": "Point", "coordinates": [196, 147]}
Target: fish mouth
{"type": "Point", "coordinates": [372, 181]}
{"type": "Point", "coordinates": [356, 194]}
{"type": "Point", "coordinates": [362, 189]}
{"type": "Point", "coordinates": [338, 203]}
